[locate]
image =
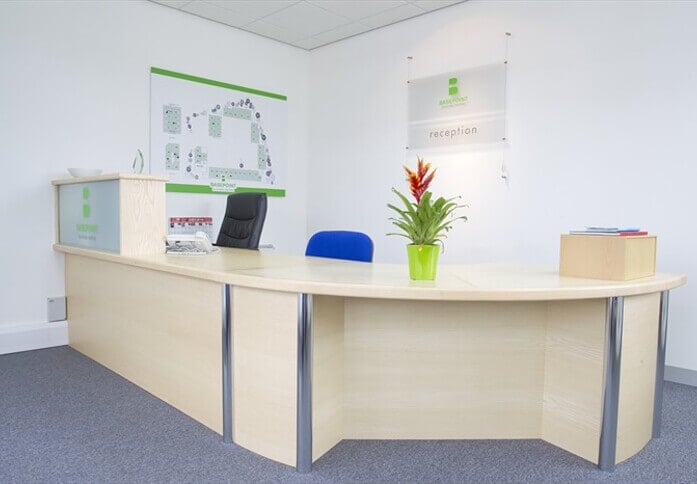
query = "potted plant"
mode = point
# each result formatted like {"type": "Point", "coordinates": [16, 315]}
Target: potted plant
{"type": "Point", "coordinates": [424, 221]}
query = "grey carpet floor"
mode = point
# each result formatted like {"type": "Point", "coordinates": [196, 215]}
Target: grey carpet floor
{"type": "Point", "coordinates": [65, 418]}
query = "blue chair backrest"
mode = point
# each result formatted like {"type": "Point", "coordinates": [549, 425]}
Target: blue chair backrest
{"type": "Point", "coordinates": [341, 244]}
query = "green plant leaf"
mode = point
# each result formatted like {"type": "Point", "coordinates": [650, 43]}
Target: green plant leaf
{"type": "Point", "coordinates": [426, 222]}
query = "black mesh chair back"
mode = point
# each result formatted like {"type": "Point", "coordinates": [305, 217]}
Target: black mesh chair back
{"type": "Point", "coordinates": [244, 218]}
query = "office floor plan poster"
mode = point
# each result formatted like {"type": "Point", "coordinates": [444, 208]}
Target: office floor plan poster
{"type": "Point", "coordinates": [214, 137]}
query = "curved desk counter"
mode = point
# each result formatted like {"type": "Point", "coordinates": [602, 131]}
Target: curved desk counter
{"type": "Point", "coordinates": [320, 350]}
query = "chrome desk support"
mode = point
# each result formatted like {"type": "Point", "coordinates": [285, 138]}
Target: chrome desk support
{"type": "Point", "coordinates": [227, 365]}
{"type": "Point", "coordinates": [303, 445]}
{"type": "Point", "coordinates": [611, 390]}
{"type": "Point", "coordinates": [660, 365]}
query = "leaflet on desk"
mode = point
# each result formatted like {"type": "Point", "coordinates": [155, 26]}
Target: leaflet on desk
{"type": "Point", "coordinates": [198, 242]}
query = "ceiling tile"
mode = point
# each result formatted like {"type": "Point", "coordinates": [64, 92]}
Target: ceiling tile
{"type": "Point", "coordinates": [391, 16]}
{"type": "Point", "coordinates": [356, 10]}
{"type": "Point", "coordinates": [173, 3]}
{"type": "Point", "coordinates": [256, 9]}
{"type": "Point", "coordinates": [429, 5]}
{"type": "Point", "coordinates": [341, 32]}
{"type": "Point", "coordinates": [210, 11]}
{"type": "Point", "coordinates": [307, 24]}
{"type": "Point", "coordinates": [308, 44]}
{"type": "Point", "coordinates": [261, 27]}
{"type": "Point", "coordinates": [305, 19]}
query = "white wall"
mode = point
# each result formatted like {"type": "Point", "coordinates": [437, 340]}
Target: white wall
{"type": "Point", "coordinates": [74, 91]}
{"type": "Point", "coordinates": [602, 112]}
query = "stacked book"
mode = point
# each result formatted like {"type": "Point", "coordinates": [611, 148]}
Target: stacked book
{"type": "Point", "coordinates": [621, 231]}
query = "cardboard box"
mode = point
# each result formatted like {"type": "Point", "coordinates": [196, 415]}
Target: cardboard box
{"type": "Point", "coordinates": [612, 257]}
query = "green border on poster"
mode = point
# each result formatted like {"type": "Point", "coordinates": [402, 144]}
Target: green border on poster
{"type": "Point", "coordinates": [211, 82]}
{"type": "Point", "coordinates": [183, 188]}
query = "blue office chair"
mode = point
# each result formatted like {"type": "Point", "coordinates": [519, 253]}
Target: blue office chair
{"type": "Point", "coordinates": [341, 244]}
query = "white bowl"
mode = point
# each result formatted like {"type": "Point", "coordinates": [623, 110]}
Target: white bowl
{"type": "Point", "coordinates": [81, 172]}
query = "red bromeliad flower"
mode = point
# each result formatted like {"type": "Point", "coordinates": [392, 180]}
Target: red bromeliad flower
{"type": "Point", "coordinates": [420, 179]}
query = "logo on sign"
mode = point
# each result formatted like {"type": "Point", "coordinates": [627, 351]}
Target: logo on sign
{"type": "Point", "coordinates": [86, 213]}
{"type": "Point", "coordinates": [452, 86]}
{"type": "Point", "coordinates": [454, 98]}
{"type": "Point", "coordinates": [86, 208]}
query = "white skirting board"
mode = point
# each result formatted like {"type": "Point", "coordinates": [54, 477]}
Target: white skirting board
{"type": "Point", "coordinates": [681, 375]}
{"type": "Point", "coordinates": [32, 336]}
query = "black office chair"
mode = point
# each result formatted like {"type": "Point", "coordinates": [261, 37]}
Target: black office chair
{"type": "Point", "coordinates": [244, 218]}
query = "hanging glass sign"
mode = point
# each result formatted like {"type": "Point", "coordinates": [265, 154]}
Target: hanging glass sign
{"type": "Point", "coordinates": [457, 109]}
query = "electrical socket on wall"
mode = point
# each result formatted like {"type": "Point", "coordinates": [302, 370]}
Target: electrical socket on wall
{"type": "Point", "coordinates": [56, 308]}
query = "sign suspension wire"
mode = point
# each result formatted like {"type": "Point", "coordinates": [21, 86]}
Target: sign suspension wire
{"type": "Point", "coordinates": [409, 61]}
{"type": "Point", "coordinates": [504, 169]}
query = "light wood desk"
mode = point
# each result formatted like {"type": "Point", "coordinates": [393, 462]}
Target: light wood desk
{"type": "Point", "coordinates": [320, 350]}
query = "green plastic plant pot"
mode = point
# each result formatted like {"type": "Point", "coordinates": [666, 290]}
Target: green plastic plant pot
{"type": "Point", "coordinates": [423, 261]}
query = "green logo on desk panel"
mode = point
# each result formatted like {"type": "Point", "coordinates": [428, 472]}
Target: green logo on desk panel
{"type": "Point", "coordinates": [86, 228]}
{"type": "Point", "coordinates": [86, 208]}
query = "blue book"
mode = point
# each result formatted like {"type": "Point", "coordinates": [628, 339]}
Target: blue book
{"type": "Point", "coordinates": [612, 229]}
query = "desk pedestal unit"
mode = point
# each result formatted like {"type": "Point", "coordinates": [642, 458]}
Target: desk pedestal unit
{"type": "Point", "coordinates": [286, 356]}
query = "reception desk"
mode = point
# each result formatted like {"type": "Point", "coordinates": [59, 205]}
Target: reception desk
{"type": "Point", "coordinates": [286, 356]}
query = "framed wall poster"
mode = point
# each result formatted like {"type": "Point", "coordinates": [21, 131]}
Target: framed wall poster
{"type": "Point", "coordinates": [213, 137]}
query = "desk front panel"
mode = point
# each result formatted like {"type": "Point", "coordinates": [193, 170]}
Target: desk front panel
{"type": "Point", "coordinates": [160, 331]}
{"type": "Point", "coordinates": [443, 370]}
